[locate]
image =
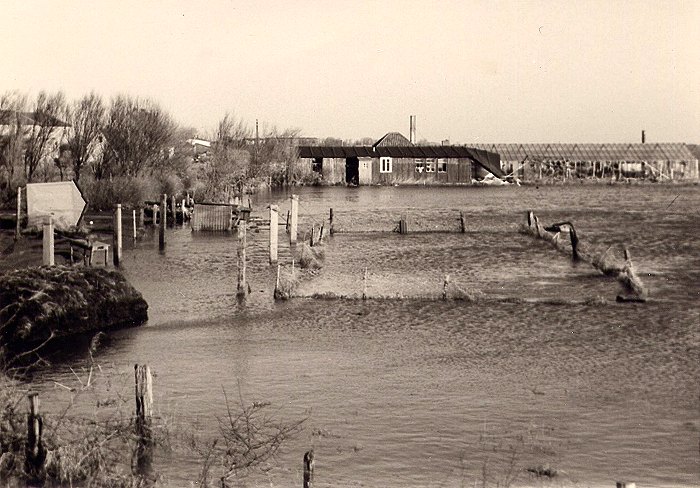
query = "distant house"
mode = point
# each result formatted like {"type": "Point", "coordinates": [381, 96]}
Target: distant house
{"type": "Point", "coordinates": [199, 146]}
{"type": "Point", "coordinates": [393, 159]}
{"type": "Point", "coordinates": [10, 120]}
{"type": "Point", "coordinates": [23, 124]}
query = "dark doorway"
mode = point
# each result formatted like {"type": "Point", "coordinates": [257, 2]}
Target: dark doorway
{"type": "Point", "coordinates": [317, 165]}
{"type": "Point", "coordinates": [352, 171]}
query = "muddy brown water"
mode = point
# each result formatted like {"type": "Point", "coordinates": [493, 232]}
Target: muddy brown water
{"type": "Point", "coordinates": [544, 371]}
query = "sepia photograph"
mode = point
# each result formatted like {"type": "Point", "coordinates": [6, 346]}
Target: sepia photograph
{"type": "Point", "coordinates": [335, 243]}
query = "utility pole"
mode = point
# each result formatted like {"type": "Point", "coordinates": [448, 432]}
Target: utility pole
{"type": "Point", "coordinates": [257, 138]}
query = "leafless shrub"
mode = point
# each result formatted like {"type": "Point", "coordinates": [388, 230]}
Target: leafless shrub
{"type": "Point", "coordinates": [248, 437]}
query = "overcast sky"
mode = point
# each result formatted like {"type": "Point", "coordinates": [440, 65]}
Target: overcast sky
{"type": "Point", "coordinates": [471, 71]}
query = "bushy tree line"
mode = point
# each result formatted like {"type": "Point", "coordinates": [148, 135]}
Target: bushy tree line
{"type": "Point", "coordinates": [129, 150]}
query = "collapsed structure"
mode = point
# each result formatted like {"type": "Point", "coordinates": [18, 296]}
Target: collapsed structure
{"type": "Point", "coordinates": [657, 161]}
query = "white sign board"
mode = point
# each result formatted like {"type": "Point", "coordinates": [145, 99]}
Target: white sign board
{"type": "Point", "coordinates": [62, 200]}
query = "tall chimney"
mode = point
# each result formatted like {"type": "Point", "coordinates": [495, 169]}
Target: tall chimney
{"type": "Point", "coordinates": [413, 129]}
{"type": "Point", "coordinates": [644, 139]}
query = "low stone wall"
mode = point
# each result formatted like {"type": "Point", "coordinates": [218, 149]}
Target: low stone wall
{"type": "Point", "coordinates": [42, 303]}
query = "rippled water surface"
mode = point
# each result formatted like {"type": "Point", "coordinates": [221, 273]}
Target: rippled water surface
{"type": "Point", "coordinates": [544, 369]}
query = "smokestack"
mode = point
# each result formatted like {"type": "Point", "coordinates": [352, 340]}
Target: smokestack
{"type": "Point", "coordinates": [644, 139]}
{"type": "Point", "coordinates": [413, 129]}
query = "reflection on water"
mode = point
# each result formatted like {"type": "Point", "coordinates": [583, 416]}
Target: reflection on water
{"type": "Point", "coordinates": [418, 392]}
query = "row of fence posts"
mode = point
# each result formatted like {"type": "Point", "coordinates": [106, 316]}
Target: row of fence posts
{"type": "Point", "coordinates": [35, 451]}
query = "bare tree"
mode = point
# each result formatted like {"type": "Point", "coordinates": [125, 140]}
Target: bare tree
{"type": "Point", "coordinates": [233, 133]}
{"type": "Point", "coordinates": [87, 118]}
{"type": "Point", "coordinates": [138, 134]}
{"type": "Point", "coordinates": [278, 155]}
{"type": "Point", "coordinates": [228, 166]}
{"type": "Point", "coordinates": [45, 130]}
{"type": "Point", "coordinates": [12, 107]}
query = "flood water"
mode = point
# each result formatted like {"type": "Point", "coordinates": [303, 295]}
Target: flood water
{"type": "Point", "coordinates": [545, 369]}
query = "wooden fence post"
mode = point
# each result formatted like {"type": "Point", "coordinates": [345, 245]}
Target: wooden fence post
{"type": "Point", "coordinates": [133, 214]}
{"type": "Point", "coordinates": [173, 210]}
{"type": "Point", "coordinates": [286, 226]}
{"type": "Point", "coordinates": [18, 224]}
{"type": "Point", "coordinates": [143, 382]}
{"type": "Point", "coordinates": [163, 219]}
{"type": "Point", "coordinates": [461, 222]}
{"type": "Point", "coordinates": [117, 244]}
{"type": "Point", "coordinates": [308, 469]}
{"type": "Point", "coordinates": [403, 227]}
{"type": "Point", "coordinates": [330, 224]}
{"type": "Point", "coordinates": [182, 209]}
{"type": "Point", "coordinates": [35, 453]}
{"type": "Point", "coordinates": [142, 217]}
{"type": "Point", "coordinates": [445, 283]}
{"type": "Point", "coordinates": [277, 282]}
{"type": "Point", "coordinates": [48, 254]}
{"type": "Point", "coordinates": [364, 285]}
{"type": "Point", "coordinates": [313, 233]}
{"type": "Point", "coordinates": [294, 220]}
{"type": "Point", "coordinates": [242, 284]}
{"type": "Point", "coordinates": [274, 212]}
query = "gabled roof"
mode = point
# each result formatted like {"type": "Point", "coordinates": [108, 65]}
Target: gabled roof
{"type": "Point", "coordinates": [393, 139]}
{"type": "Point", "coordinates": [8, 117]}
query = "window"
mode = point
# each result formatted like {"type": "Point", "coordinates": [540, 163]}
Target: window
{"type": "Point", "coordinates": [420, 165]}
{"type": "Point", "coordinates": [430, 165]}
{"type": "Point", "coordinates": [385, 165]}
{"type": "Point", "coordinates": [442, 165]}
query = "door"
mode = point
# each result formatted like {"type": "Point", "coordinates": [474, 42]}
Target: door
{"type": "Point", "coordinates": [352, 171]}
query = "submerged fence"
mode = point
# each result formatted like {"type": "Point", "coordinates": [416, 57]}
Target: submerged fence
{"type": "Point", "coordinates": [212, 217]}
{"type": "Point", "coordinates": [354, 282]}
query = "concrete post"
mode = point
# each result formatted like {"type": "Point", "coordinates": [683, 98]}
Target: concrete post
{"type": "Point", "coordinates": [48, 255]}
{"type": "Point", "coordinates": [117, 244]}
{"type": "Point", "coordinates": [242, 283]}
{"type": "Point", "coordinates": [18, 225]}
{"type": "Point", "coordinates": [163, 221]}
{"type": "Point", "coordinates": [294, 220]}
{"type": "Point", "coordinates": [274, 212]}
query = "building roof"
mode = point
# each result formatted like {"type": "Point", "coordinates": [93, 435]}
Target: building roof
{"type": "Point", "coordinates": [488, 160]}
{"type": "Point", "coordinates": [336, 152]}
{"type": "Point", "coordinates": [592, 152]}
{"type": "Point", "coordinates": [694, 150]}
{"type": "Point", "coordinates": [393, 139]}
{"type": "Point", "coordinates": [8, 117]}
